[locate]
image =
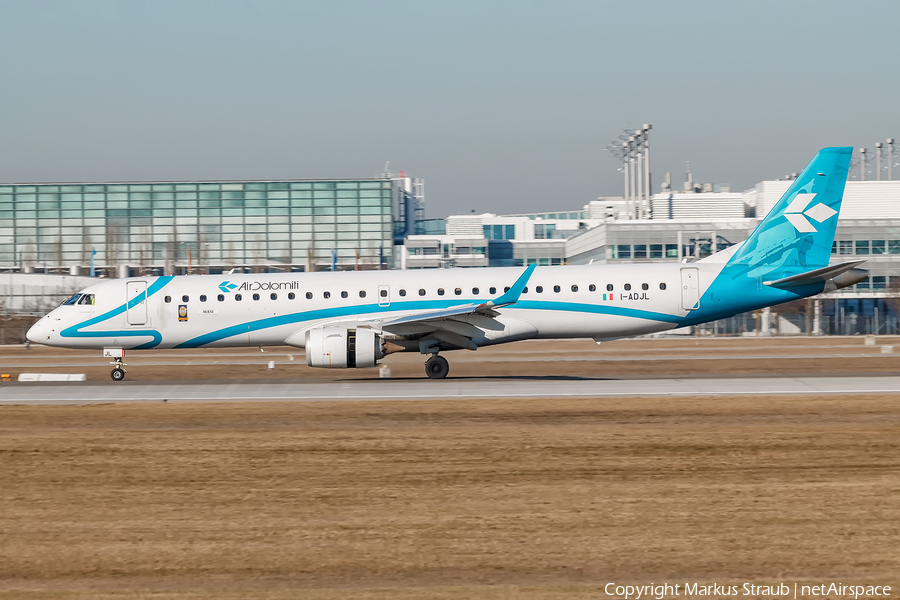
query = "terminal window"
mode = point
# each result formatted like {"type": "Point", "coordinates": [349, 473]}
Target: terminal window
{"type": "Point", "coordinates": [499, 232]}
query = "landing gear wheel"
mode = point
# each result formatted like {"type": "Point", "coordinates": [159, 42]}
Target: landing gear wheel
{"type": "Point", "coordinates": [117, 374]}
{"type": "Point", "coordinates": [437, 367]}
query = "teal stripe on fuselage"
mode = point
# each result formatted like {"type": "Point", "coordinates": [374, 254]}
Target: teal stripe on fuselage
{"type": "Point", "coordinates": [368, 309]}
{"type": "Point", "coordinates": [602, 309]}
{"type": "Point", "coordinates": [75, 330]}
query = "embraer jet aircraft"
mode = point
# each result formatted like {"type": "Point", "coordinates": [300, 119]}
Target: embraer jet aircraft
{"type": "Point", "coordinates": [353, 319]}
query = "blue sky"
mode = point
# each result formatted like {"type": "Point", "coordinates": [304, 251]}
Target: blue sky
{"type": "Point", "coordinates": [500, 106]}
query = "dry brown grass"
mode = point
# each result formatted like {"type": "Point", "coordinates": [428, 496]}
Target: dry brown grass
{"type": "Point", "coordinates": [462, 499]}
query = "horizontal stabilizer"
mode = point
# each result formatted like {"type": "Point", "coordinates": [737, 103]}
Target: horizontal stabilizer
{"type": "Point", "coordinates": [817, 276]}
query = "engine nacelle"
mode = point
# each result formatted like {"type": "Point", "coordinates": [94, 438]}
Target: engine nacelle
{"type": "Point", "coordinates": [339, 347]}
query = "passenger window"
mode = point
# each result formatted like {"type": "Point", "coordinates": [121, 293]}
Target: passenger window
{"type": "Point", "coordinates": [256, 296]}
{"type": "Point", "coordinates": [645, 287]}
{"type": "Point", "coordinates": [609, 287]}
{"type": "Point", "coordinates": [539, 289]}
{"type": "Point", "coordinates": [309, 295]}
{"type": "Point", "coordinates": [382, 293]}
{"type": "Point", "coordinates": [344, 294]}
{"type": "Point", "coordinates": [273, 296]}
{"type": "Point", "coordinates": [457, 291]}
{"type": "Point", "coordinates": [627, 287]}
{"type": "Point", "coordinates": [362, 293]}
{"type": "Point", "coordinates": [402, 292]}
{"type": "Point", "coordinates": [525, 290]}
{"type": "Point", "coordinates": [475, 291]}
{"type": "Point", "coordinates": [440, 291]}
{"type": "Point", "coordinates": [506, 289]}
{"type": "Point", "coordinates": [592, 288]}
{"type": "Point", "coordinates": [202, 297]}
{"type": "Point", "coordinates": [238, 297]}
{"type": "Point", "coordinates": [662, 286]}
{"type": "Point", "coordinates": [556, 288]}
{"type": "Point", "coordinates": [492, 291]}
{"type": "Point", "coordinates": [221, 297]}
{"type": "Point", "coordinates": [185, 298]}
{"type": "Point", "coordinates": [421, 292]}
{"type": "Point", "coordinates": [291, 295]}
{"type": "Point", "coordinates": [574, 288]}
{"type": "Point", "coordinates": [168, 299]}
{"type": "Point", "coordinates": [326, 295]}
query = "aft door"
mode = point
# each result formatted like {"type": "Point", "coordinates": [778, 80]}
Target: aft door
{"type": "Point", "coordinates": [384, 295]}
{"type": "Point", "coordinates": [690, 288]}
{"type": "Point", "coordinates": [136, 292]}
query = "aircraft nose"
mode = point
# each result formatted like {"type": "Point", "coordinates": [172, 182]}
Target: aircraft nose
{"type": "Point", "coordinates": [35, 333]}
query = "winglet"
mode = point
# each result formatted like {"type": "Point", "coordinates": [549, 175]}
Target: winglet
{"type": "Point", "coordinates": [512, 295]}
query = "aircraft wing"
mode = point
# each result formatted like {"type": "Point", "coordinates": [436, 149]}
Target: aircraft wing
{"type": "Point", "coordinates": [458, 325]}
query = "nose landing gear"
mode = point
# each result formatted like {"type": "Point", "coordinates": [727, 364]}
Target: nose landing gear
{"type": "Point", "coordinates": [117, 354]}
{"type": "Point", "coordinates": [117, 374]}
{"type": "Point", "coordinates": [437, 367]}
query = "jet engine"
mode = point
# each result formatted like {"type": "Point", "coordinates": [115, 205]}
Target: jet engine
{"type": "Point", "coordinates": [341, 347]}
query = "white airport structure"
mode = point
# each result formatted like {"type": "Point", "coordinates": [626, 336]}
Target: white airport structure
{"type": "Point", "coordinates": [685, 227]}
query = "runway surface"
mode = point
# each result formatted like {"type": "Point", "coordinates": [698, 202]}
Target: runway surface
{"type": "Point", "coordinates": [424, 389]}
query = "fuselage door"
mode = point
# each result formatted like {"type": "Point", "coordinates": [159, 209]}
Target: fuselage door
{"type": "Point", "coordinates": [690, 288]}
{"type": "Point", "coordinates": [136, 311]}
{"type": "Point", "coordinates": [384, 295]}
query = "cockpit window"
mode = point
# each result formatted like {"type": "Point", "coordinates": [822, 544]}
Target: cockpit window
{"type": "Point", "coordinates": [86, 299]}
{"type": "Point", "coordinates": [72, 300]}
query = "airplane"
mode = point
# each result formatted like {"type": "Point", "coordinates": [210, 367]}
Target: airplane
{"type": "Point", "coordinates": [353, 319]}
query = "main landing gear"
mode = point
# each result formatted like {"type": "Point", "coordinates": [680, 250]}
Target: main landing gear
{"type": "Point", "coordinates": [437, 367]}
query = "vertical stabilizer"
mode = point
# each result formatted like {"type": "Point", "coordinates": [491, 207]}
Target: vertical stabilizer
{"type": "Point", "coordinates": [799, 230]}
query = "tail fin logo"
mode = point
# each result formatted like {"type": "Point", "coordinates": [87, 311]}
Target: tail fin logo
{"type": "Point", "coordinates": [797, 213]}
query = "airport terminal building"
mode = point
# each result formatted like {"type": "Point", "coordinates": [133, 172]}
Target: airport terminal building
{"type": "Point", "coordinates": [684, 227]}
{"type": "Point", "coordinates": [200, 227]}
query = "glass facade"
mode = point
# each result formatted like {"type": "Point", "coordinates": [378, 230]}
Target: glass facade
{"type": "Point", "coordinates": [205, 226]}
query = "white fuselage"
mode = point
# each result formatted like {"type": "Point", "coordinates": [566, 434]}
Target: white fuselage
{"type": "Point", "coordinates": [596, 301]}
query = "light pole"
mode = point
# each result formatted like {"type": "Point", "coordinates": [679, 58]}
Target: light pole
{"type": "Point", "coordinates": [890, 143]}
{"type": "Point", "coordinates": [633, 149]}
{"type": "Point", "coordinates": [639, 213]}
{"type": "Point", "coordinates": [632, 161]}
{"type": "Point", "coordinates": [862, 164]}
{"type": "Point", "coordinates": [878, 160]}
{"type": "Point", "coordinates": [647, 128]}
{"type": "Point", "coordinates": [625, 153]}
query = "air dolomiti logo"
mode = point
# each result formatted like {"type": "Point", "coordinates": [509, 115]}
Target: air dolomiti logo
{"type": "Point", "coordinates": [797, 213]}
{"type": "Point", "coordinates": [257, 286]}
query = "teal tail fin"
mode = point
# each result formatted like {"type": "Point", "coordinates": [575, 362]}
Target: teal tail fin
{"type": "Point", "coordinates": [799, 230]}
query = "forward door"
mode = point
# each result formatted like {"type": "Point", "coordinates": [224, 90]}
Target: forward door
{"type": "Point", "coordinates": [136, 311]}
